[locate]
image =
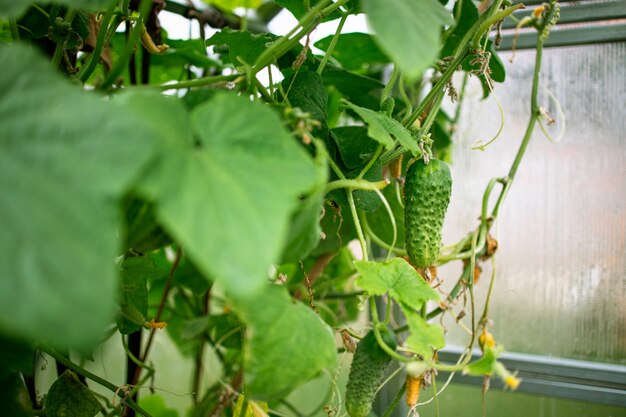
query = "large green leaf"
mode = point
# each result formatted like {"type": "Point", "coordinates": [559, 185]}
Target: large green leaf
{"type": "Point", "coordinates": [408, 30]}
{"type": "Point", "coordinates": [66, 157]}
{"type": "Point", "coordinates": [13, 8]}
{"type": "Point", "coordinates": [69, 397]}
{"type": "Point", "coordinates": [228, 200]}
{"type": "Point", "coordinates": [397, 278]}
{"type": "Point", "coordinates": [354, 50]}
{"type": "Point", "coordinates": [384, 129]}
{"type": "Point", "coordinates": [286, 337]}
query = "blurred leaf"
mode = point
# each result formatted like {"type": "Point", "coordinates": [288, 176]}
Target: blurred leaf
{"type": "Point", "coordinates": [5, 32]}
{"type": "Point", "coordinates": [409, 31]}
{"type": "Point", "coordinates": [381, 127]}
{"type": "Point", "coordinates": [66, 159]}
{"type": "Point", "coordinates": [354, 50]}
{"type": "Point", "coordinates": [228, 201]}
{"type": "Point", "coordinates": [286, 336]}
{"type": "Point", "coordinates": [304, 228]}
{"type": "Point", "coordinates": [396, 277]}
{"type": "Point", "coordinates": [188, 276]}
{"type": "Point", "coordinates": [156, 406]}
{"type": "Point", "coordinates": [69, 397]}
{"type": "Point", "coordinates": [485, 365]}
{"type": "Point", "coordinates": [194, 327]}
{"type": "Point", "coordinates": [135, 273]}
{"type": "Point", "coordinates": [225, 329]}
{"type": "Point", "coordinates": [170, 65]}
{"type": "Point", "coordinates": [15, 356]}
{"type": "Point", "coordinates": [11, 394]}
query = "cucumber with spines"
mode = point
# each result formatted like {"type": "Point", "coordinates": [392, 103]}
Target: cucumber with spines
{"type": "Point", "coordinates": [369, 365]}
{"type": "Point", "coordinates": [427, 190]}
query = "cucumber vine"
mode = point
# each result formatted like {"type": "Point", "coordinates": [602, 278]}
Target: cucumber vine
{"type": "Point", "coordinates": [215, 190]}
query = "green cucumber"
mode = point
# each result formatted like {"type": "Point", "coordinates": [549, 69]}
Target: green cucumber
{"type": "Point", "coordinates": [427, 192]}
{"type": "Point", "coordinates": [368, 368]}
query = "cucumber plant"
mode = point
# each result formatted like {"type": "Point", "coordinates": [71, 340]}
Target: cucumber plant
{"type": "Point", "coordinates": [207, 190]}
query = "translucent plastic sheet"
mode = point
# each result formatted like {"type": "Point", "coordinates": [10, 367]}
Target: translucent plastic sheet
{"type": "Point", "coordinates": [561, 268]}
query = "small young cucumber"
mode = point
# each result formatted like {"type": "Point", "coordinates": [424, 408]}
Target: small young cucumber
{"type": "Point", "coordinates": [368, 368]}
{"type": "Point", "coordinates": [427, 190]}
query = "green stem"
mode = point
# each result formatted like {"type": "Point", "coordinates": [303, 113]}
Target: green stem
{"type": "Point", "coordinates": [357, 223]}
{"type": "Point", "coordinates": [377, 240]}
{"type": "Point", "coordinates": [485, 315]}
{"type": "Point", "coordinates": [15, 33]}
{"type": "Point", "coordinates": [341, 295]}
{"type": "Point", "coordinates": [434, 380]}
{"type": "Point", "coordinates": [371, 161]}
{"type": "Point", "coordinates": [457, 113]}
{"type": "Point", "coordinates": [60, 48]}
{"type": "Point", "coordinates": [534, 114]}
{"type": "Point", "coordinates": [432, 114]}
{"type": "Point", "coordinates": [136, 360]}
{"type": "Point", "coordinates": [356, 184]}
{"type": "Point", "coordinates": [389, 87]}
{"type": "Point", "coordinates": [144, 8]}
{"type": "Point", "coordinates": [471, 288]}
{"type": "Point", "coordinates": [395, 401]}
{"type": "Point", "coordinates": [379, 338]}
{"type": "Point", "coordinates": [198, 82]}
{"type": "Point", "coordinates": [272, 53]}
{"type": "Point", "coordinates": [71, 365]}
{"type": "Point", "coordinates": [492, 20]}
{"type": "Point", "coordinates": [263, 91]}
{"type": "Point", "coordinates": [84, 74]}
{"type": "Point", "coordinates": [461, 52]}
{"type": "Point", "coordinates": [439, 86]}
{"type": "Point", "coordinates": [332, 45]}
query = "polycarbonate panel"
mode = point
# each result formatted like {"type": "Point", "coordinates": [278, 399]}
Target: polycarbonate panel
{"type": "Point", "coordinates": [561, 267]}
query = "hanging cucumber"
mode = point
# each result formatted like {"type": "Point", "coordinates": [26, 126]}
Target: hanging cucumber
{"type": "Point", "coordinates": [427, 191]}
{"type": "Point", "coordinates": [368, 368]}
